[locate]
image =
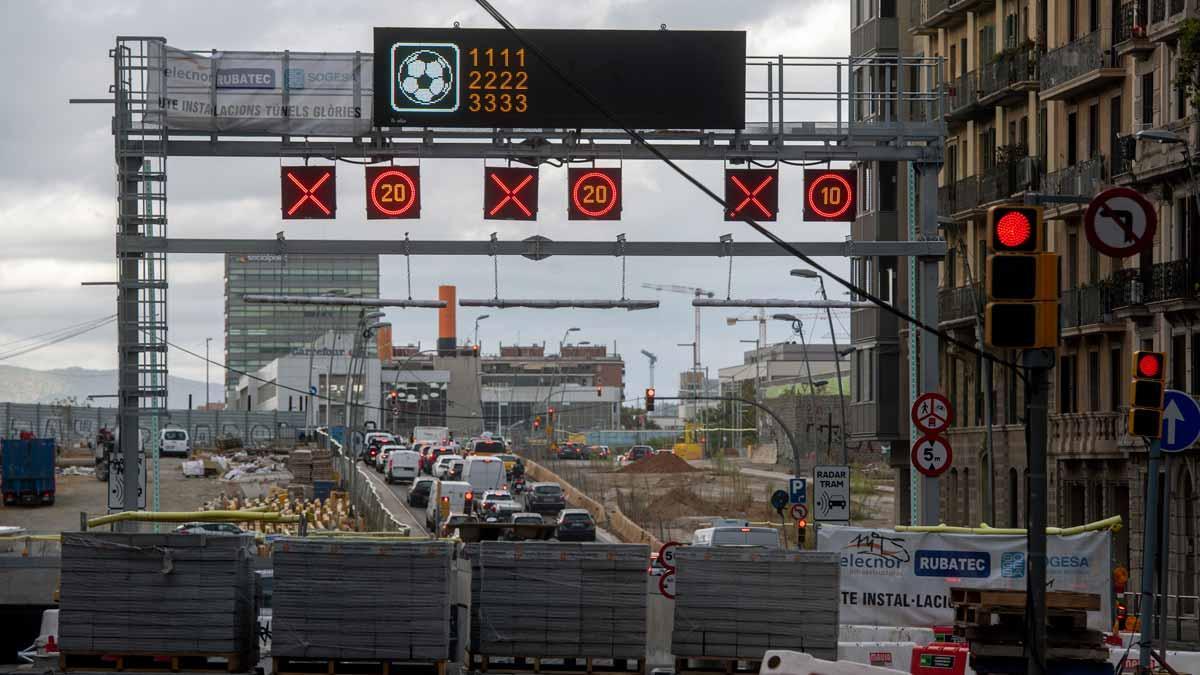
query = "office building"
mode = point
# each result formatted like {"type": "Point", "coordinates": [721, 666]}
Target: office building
{"type": "Point", "coordinates": [255, 334]}
{"type": "Point", "coordinates": [1047, 97]}
{"type": "Point", "coordinates": [583, 383]}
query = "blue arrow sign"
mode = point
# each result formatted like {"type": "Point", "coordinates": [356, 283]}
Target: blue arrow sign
{"type": "Point", "coordinates": [1181, 421]}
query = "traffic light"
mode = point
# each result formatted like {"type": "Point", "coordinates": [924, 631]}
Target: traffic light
{"type": "Point", "coordinates": [550, 414]}
{"type": "Point", "coordinates": [599, 392]}
{"type": "Point", "coordinates": [468, 502]}
{"type": "Point", "coordinates": [1022, 281]}
{"type": "Point", "coordinates": [537, 423]}
{"type": "Point", "coordinates": [649, 399]}
{"type": "Point", "coordinates": [1146, 395]}
{"type": "Point", "coordinates": [801, 531]}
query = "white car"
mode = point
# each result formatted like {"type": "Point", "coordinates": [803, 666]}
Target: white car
{"type": "Point", "coordinates": [499, 503]}
{"type": "Point", "coordinates": [442, 465]}
{"type": "Point", "coordinates": [401, 465]}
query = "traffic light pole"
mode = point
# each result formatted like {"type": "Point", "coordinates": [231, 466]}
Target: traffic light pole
{"type": "Point", "coordinates": [1150, 558]}
{"type": "Point", "coordinates": [1038, 363]}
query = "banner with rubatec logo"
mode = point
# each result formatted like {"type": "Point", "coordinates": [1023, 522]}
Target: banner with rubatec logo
{"type": "Point", "coordinates": [271, 92]}
{"type": "Point", "coordinates": [891, 578]}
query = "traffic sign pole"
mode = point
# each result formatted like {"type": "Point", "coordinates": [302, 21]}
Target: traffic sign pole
{"type": "Point", "coordinates": [1038, 363]}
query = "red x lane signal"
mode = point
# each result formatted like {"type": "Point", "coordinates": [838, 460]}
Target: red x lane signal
{"type": "Point", "coordinates": [751, 193]}
{"type": "Point", "coordinates": [308, 192]}
{"type": "Point", "coordinates": [510, 193]}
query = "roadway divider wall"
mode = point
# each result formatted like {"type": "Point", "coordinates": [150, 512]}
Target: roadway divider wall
{"type": "Point", "coordinates": [611, 519]}
{"type": "Point", "coordinates": [364, 494]}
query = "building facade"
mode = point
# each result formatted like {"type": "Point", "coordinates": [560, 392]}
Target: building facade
{"type": "Point", "coordinates": [1046, 97]}
{"type": "Point", "coordinates": [583, 383]}
{"type": "Point", "coordinates": [255, 334]}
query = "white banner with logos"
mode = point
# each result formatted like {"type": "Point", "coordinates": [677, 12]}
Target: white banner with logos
{"type": "Point", "coordinates": [894, 578]}
{"type": "Point", "coordinates": [296, 93]}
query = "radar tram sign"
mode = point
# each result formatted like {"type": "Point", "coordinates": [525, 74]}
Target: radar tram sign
{"type": "Point", "coordinates": [1120, 222]}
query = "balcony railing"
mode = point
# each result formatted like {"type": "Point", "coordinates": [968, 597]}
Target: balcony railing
{"type": "Point", "coordinates": [1075, 59]}
{"type": "Point", "coordinates": [963, 92]}
{"type": "Point", "coordinates": [1088, 305]}
{"type": "Point", "coordinates": [1009, 177]}
{"type": "Point", "coordinates": [875, 34]}
{"type": "Point", "coordinates": [1082, 179]}
{"type": "Point", "coordinates": [1131, 22]}
{"type": "Point", "coordinates": [961, 302]}
{"type": "Point", "coordinates": [1085, 433]}
{"type": "Point", "coordinates": [922, 10]}
{"type": "Point", "coordinates": [1124, 152]}
{"type": "Point", "coordinates": [963, 195]}
{"type": "Point", "coordinates": [1158, 10]}
{"type": "Point", "coordinates": [1010, 68]}
{"type": "Point", "coordinates": [1174, 280]}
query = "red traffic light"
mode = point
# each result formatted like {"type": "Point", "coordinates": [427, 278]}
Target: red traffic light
{"type": "Point", "coordinates": [801, 524]}
{"type": "Point", "coordinates": [1014, 229]}
{"type": "Point", "coordinates": [469, 495]}
{"type": "Point", "coordinates": [1149, 364]}
{"type": "Point", "coordinates": [650, 392]}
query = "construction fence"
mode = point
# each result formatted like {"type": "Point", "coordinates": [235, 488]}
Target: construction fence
{"type": "Point", "coordinates": [77, 425]}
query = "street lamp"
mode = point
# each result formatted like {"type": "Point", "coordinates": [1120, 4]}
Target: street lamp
{"type": "Point", "coordinates": [798, 327]}
{"type": "Point", "coordinates": [563, 341]}
{"type": "Point", "coordinates": [479, 318]}
{"type": "Point", "coordinates": [837, 359]}
{"type": "Point", "coordinates": [1165, 137]}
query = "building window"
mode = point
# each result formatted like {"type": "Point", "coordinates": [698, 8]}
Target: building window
{"type": "Point", "coordinates": [887, 186]}
{"type": "Point", "coordinates": [1072, 260]}
{"type": "Point", "coordinates": [1148, 100]}
{"type": "Point", "coordinates": [966, 496]}
{"type": "Point", "coordinates": [1180, 94]}
{"type": "Point", "coordinates": [1093, 265]}
{"type": "Point", "coordinates": [1066, 384]}
{"type": "Point", "coordinates": [953, 61]}
{"type": "Point", "coordinates": [1094, 381]}
{"type": "Point", "coordinates": [1093, 131]}
{"type": "Point", "coordinates": [1195, 370]}
{"type": "Point", "coordinates": [1072, 138]}
{"type": "Point", "coordinates": [887, 9]}
{"type": "Point", "coordinates": [1093, 15]}
{"type": "Point", "coordinates": [950, 266]}
{"type": "Point", "coordinates": [1179, 362]}
{"type": "Point", "coordinates": [962, 51]}
{"type": "Point", "coordinates": [1072, 20]}
{"type": "Point", "coordinates": [1013, 504]}
{"type": "Point", "coordinates": [1115, 381]}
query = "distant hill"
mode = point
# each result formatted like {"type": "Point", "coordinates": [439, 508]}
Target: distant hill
{"type": "Point", "coordinates": [26, 385]}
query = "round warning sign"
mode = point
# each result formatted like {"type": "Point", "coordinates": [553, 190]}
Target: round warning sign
{"type": "Point", "coordinates": [799, 511]}
{"type": "Point", "coordinates": [931, 413]}
{"type": "Point", "coordinates": [1120, 222]}
{"type": "Point", "coordinates": [931, 455]}
{"type": "Point", "coordinates": [666, 555]}
{"type": "Point", "coordinates": [666, 585]}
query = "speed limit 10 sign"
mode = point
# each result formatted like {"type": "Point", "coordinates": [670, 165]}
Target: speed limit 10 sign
{"type": "Point", "coordinates": [931, 455]}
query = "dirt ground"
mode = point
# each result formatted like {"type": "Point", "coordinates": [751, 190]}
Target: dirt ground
{"type": "Point", "coordinates": [77, 494]}
{"type": "Point", "coordinates": [673, 505]}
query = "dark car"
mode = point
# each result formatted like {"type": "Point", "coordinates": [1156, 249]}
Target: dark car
{"type": "Point", "coordinates": [418, 494]}
{"type": "Point", "coordinates": [545, 498]}
{"type": "Point", "coordinates": [638, 452]}
{"type": "Point", "coordinates": [575, 525]}
{"type": "Point", "coordinates": [573, 451]}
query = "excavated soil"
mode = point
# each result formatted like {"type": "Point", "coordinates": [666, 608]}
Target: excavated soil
{"type": "Point", "coordinates": [660, 463]}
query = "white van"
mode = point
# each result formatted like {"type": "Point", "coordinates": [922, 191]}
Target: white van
{"type": "Point", "coordinates": [174, 442]}
{"type": "Point", "coordinates": [484, 473]}
{"type": "Point", "coordinates": [435, 435]}
{"type": "Point", "coordinates": [401, 464]}
{"type": "Point", "coordinates": [736, 533]}
{"type": "Point", "coordinates": [454, 492]}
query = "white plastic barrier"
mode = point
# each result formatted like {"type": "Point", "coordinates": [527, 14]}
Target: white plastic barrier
{"type": "Point", "coordinates": [1183, 662]}
{"type": "Point", "coordinates": [855, 633]}
{"type": "Point", "coordinates": [896, 655]}
{"type": "Point", "coordinates": [776, 662]}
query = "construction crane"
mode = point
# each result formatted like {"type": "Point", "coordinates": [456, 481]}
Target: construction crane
{"type": "Point", "coordinates": [653, 359]}
{"type": "Point", "coordinates": [695, 292]}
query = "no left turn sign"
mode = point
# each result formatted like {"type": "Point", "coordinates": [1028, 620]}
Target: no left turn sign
{"type": "Point", "coordinates": [1120, 222]}
{"type": "Point", "coordinates": [799, 511]}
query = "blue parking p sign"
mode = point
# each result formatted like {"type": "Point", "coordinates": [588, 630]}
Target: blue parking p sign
{"type": "Point", "coordinates": [798, 490]}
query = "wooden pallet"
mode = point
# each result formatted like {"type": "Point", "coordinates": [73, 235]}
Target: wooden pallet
{"type": "Point", "coordinates": [1056, 619]}
{"type": "Point", "coordinates": [1055, 600]}
{"type": "Point", "coordinates": [284, 665]}
{"type": "Point", "coordinates": [715, 664]}
{"type": "Point", "coordinates": [559, 666]}
{"type": "Point", "coordinates": [150, 663]}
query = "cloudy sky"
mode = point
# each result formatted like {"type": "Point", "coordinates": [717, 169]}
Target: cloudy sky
{"type": "Point", "coordinates": [57, 187]}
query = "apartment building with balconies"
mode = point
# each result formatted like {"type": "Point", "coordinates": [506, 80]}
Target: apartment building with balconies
{"type": "Point", "coordinates": [1048, 97]}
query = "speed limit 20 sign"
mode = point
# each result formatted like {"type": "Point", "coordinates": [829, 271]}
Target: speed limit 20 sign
{"type": "Point", "coordinates": [931, 455]}
{"type": "Point", "coordinates": [393, 192]}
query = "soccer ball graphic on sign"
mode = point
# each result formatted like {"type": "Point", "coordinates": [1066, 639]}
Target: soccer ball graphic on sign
{"type": "Point", "coordinates": [425, 77]}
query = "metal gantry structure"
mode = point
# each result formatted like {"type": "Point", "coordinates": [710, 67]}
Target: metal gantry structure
{"type": "Point", "coordinates": [900, 120]}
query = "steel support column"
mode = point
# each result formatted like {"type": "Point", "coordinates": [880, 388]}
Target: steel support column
{"type": "Point", "coordinates": [927, 275]}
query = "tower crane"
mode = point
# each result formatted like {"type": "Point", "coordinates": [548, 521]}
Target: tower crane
{"type": "Point", "coordinates": [695, 292]}
{"type": "Point", "coordinates": [653, 359]}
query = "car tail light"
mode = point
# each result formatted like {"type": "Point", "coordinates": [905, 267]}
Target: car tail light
{"type": "Point", "coordinates": [745, 529]}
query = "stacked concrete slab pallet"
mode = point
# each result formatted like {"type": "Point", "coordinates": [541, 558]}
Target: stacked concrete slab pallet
{"type": "Point", "coordinates": [163, 594]}
{"type": "Point", "coordinates": [736, 603]}
{"type": "Point", "coordinates": [348, 600]}
{"type": "Point", "coordinates": [559, 600]}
